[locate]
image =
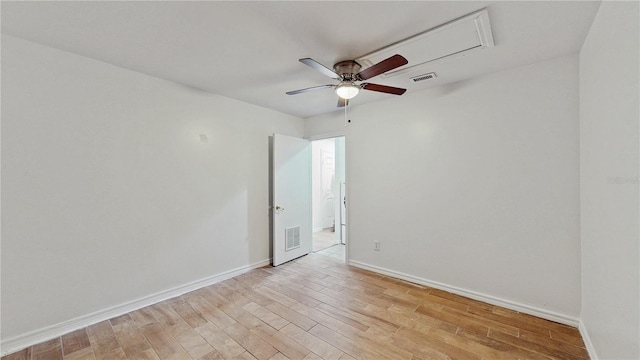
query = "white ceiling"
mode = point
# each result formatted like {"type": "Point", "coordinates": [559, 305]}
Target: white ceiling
{"type": "Point", "coordinates": [249, 51]}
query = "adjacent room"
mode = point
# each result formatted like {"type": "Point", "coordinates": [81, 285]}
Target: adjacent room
{"type": "Point", "coordinates": [320, 180]}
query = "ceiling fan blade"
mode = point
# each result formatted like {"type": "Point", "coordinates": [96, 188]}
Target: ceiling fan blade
{"type": "Point", "coordinates": [342, 102]}
{"type": "Point", "coordinates": [294, 92]}
{"type": "Point", "coordinates": [383, 88]}
{"type": "Point", "coordinates": [382, 67]}
{"type": "Point", "coordinates": [323, 69]}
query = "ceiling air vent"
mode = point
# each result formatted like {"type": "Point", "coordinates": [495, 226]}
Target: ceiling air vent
{"type": "Point", "coordinates": [463, 35]}
{"type": "Point", "coordinates": [428, 76]}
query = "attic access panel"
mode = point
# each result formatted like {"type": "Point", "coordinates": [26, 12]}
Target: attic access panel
{"type": "Point", "coordinates": [468, 33]}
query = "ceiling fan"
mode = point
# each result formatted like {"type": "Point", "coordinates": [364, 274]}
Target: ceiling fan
{"type": "Point", "coordinates": [348, 73]}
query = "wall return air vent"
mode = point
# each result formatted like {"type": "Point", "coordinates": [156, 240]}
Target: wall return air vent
{"type": "Point", "coordinates": [292, 238]}
{"type": "Point", "coordinates": [468, 33]}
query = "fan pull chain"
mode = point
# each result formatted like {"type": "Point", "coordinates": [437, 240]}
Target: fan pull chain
{"type": "Point", "coordinates": [347, 107]}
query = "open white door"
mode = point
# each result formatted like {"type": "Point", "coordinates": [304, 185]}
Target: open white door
{"type": "Point", "coordinates": [291, 198]}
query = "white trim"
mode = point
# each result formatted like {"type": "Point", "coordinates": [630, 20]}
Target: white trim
{"type": "Point", "coordinates": [587, 341]}
{"type": "Point", "coordinates": [331, 135]}
{"type": "Point", "coordinates": [509, 304]}
{"type": "Point", "coordinates": [23, 341]}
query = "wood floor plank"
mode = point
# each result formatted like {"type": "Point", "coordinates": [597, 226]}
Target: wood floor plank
{"type": "Point", "coordinates": [403, 295]}
{"type": "Point", "coordinates": [441, 346]}
{"type": "Point", "coordinates": [245, 356]}
{"type": "Point", "coordinates": [419, 350]}
{"type": "Point", "coordinates": [353, 348]}
{"type": "Point", "coordinates": [242, 316]}
{"type": "Point", "coordinates": [572, 339]}
{"type": "Point", "coordinates": [143, 317]}
{"type": "Point", "coordinates": [214, 355]}
{"type": "Point", "coordinates": [513, 321]}
{"type": "Point", "coordinates": [508, 350]}
{"type": "Point", "coordinates": [274, 295]}
{"type": "Point", "coordinates": [187, 313]}
{"type": "Point", "coordinates": [471, 315]}
{"type": "Point", "coordinates": [83, 354]}
{"type": "Point", "coordinates": [453, 319]}
{"type": "Point", "coordinates": [360, 317]}
{"type": "Point", "coordinates": [130, 337]}
{"type": "Point", "coordinates": [52, 354]}
{"type": "Point", "coordinates": [346, 357]}
{"type": "Point", "coordinates": [373, 343]}
{"type": "Point", "coordinates": [468, 344]}
{"type": "Point", "coordinates": [115, 354]}
{"type": "Point", "coordinates": [320, 317]}
{"type": "Point", "coordinates": [220, 341]}
{"type": "Point", "coordinates": [332, 299]}
{"type": "Point", "coordinates": [533, 346]}
{"type": "Point", "coordinates": [165, 346]}
{"type": "Point", "coordinates": [316, 345]}
{"type": "Point", "coordinates": [211, 313]}
{"type": "Point", "coordinates": [347, 294]}
{"type": "Point", "coordinates": [194, 344]}
{"type": "Point", "coordinates": [260, 349]}
{"type": "Point", "coordinates": [212, 296]}
{"type": "Point", "coordinates": [47, 346]}
{"type": "Point", "coordinates": [280, 356]}
{"type": "Point", "coordinates": [148, 354]}
{"type": "Point", "coordinates": [296, 295]}
{"type": "Point", "coordinates": [409, 319]}
{"type": "Point", "coordinates": [104, 342]}
{"type": "Point", "coordinates": [288, 347]}
{"type": "Point", "coordinates": [428, 298]}
{"type": "Point", "coordinates": [24, 354]}
{"type": "Point", "coordinates": [342, 316]}
{"type": "Point", "coordinates": [266, 315]}
{"type": "Point", "coordinates": [249, 292]}
{"type": "Point", "coordinates": [75, 341]}
{"type": "Point", "coordinates": [384, 282]}
{"type": "Point", "coordinates": [165, 314]}
{"type": "Point", "coordinates": [550, 343]}
{"type": "Point", "coordinates": [461, 299]}
{"type": "Point", "coordinates": [312, 356]}
{"type": "Point", "coordinates": [292, 316]}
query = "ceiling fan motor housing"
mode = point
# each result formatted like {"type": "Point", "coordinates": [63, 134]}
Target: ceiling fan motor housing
{"type": "Point", "coordinates": [347, 69]}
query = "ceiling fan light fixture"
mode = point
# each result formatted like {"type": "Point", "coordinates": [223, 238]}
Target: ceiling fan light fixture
{"type": "Point", "coordinates": [347, 90]}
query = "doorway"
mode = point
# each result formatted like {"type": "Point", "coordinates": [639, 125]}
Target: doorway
{"type": "Point", "coordinates": [328, 196]}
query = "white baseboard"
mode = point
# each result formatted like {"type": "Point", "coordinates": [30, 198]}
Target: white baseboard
{"type": "Point", "coordinates": [23, 341]}
{"type": "Point", "coordinates": [512, 305]}
{"type": "Point", "coordinates": [587, 341]}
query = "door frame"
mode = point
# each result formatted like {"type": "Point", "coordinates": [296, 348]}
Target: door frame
{"type": "Point", "coordinates": [346, 180]}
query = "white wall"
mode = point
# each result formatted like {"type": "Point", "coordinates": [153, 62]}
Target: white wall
{"type": "Point", "coordinates": [319, 147]}
{"type": "Point", "coordinates": [108, 193]}
{"type": "Point", "coordinates": [472, 185]}
{"type": "Point", "coordinates": [609, 113]}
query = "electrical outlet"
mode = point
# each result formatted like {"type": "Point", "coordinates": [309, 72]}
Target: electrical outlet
{"type": "Point", "coordinates": [376, 245]}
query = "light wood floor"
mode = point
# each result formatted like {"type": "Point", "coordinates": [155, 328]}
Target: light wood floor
{"type": "Point", "coordinates": [316, 308]}
{"type": "Point", "coordinates": [323, 239]}
{"type": "Point", "coordinates": [336, 251]}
